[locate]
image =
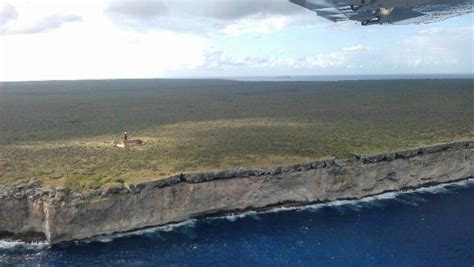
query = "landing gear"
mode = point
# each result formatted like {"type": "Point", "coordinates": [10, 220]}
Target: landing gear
{"type": "Point", "coordinates": [379, 17]}
{"type": "Point", "coordinates": [375, 20]}
{"type": "Point", "coordinates": [355, 8]}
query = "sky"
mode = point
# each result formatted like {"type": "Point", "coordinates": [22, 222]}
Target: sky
{"type": "Point", "coordinates": [97, 39]}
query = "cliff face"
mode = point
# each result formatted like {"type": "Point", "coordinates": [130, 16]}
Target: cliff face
{"type": "Point", "coordinates": [59, 215]}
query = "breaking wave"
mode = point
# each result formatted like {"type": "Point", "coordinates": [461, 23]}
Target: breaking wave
{"type": "Point", "coordinates": [235, 216]}
{"type": "Point", "coordinates": [151, 230]}
{"type": "Point", "coordinates": [15, 244]}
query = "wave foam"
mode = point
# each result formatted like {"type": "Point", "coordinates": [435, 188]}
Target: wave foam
{"type": "Point", "coordinates": [234, 216]}
{"type": "Point", "coordinates": [151, 230]}
{"type": "Point", "coordinates": [15, 244]}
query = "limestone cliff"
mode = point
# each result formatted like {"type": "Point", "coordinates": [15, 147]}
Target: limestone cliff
{"type": "Point", "coordinates": [28, 211]}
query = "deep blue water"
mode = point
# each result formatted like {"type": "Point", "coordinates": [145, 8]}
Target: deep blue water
{"type": "Point", "coordinates": [430, 227]}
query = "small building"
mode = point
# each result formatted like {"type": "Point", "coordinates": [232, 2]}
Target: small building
{"type": "Point", "coordinates": [129, 143]}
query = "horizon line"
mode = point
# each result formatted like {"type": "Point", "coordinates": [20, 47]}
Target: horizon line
{"type": "Point", "coordinates": [282, 77]}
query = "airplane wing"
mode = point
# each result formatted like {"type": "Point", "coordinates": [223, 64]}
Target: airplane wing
{"type": "Point", "coordinates": [327, 9]}
{"type": "Point", "coordinates": [387, 11]}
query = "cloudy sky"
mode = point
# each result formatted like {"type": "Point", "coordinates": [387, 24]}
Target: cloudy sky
{"type": "Point", "coordinates": [94, 39]}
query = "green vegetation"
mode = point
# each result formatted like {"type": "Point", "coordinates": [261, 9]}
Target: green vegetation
{"type": "Point", "coordinates": [61, 132]}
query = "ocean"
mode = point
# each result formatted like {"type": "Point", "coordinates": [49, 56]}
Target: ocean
{"type": "Point", "coordinates": [426, 227]}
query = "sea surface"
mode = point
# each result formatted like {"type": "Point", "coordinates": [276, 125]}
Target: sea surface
{"type": "Point", "coordinates": [426, 227]}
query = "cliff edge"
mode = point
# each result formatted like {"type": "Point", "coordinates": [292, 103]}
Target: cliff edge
{"type": "Point", "coordinates": [30, 212]}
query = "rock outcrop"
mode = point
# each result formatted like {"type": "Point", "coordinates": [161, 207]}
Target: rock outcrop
{"type": "Point", "coordinates": [57, 214]}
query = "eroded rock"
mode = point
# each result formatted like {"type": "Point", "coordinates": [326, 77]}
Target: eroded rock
{"type": "Point", "coordinates": [60, 215]}
{"type": "Point", "coordinates": [113, 188]}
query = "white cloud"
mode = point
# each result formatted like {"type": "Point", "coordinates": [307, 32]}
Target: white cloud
{"type": "Point", "coordinates": [339, 58]}
{"type": "Point", "coordinates": [26, 20]}
{"type": "Point", "coordinates": [213, 9]}
{"type": "Point", "coordinates": [336, 58]}
{"type": "Point", "coordinates": [78, 53]}
{"type": "Point", "coordinates": [436, 47]}
{"type": "Point", "coordinates": [255, 25]}
{"type": "Point", "coordinates": [154, 40]}
{"type": "Point", "coordinates": [93, 48]}
{"type": "Point", "coordinates": [218, 59]}
{"type": "Point", "coordinates": [45, 24]}
{"type": "Point", "coordinates": [7, 13]}
{"type": "Point", "coordinates": [233, 17]}
{"type": "Point", "coordinates": [354, 48]}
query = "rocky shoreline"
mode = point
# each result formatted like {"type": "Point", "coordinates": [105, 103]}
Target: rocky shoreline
{"type": "Point", "coordinates": [30, 212]}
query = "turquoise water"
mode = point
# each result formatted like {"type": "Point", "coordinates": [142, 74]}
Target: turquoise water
{"type": "Point", "coordinates": [427, 227]}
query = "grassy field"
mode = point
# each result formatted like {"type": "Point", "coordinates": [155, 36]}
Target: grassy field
{"type": "Point", "coordinates": [61, 132]}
